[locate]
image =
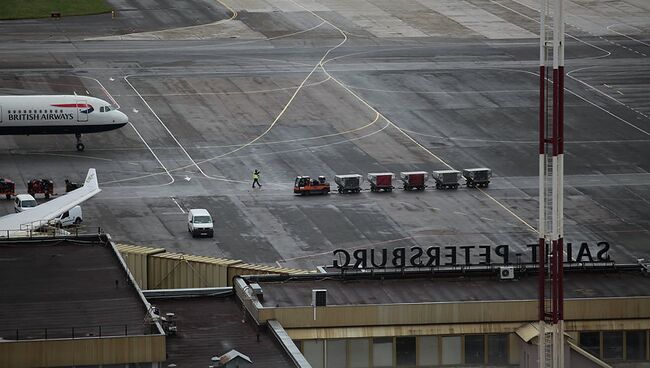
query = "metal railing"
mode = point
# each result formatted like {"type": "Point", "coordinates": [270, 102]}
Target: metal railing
{"type": "Point", "coordinates": [75, 332]}
{"type": "Point", "coordinates": [49, 232]}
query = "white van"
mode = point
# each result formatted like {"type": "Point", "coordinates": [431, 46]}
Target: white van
{"type": "Point", "coordinates": [199, 223]}
{"type": "Point", "coordinates": [24, 202]}
{"type": "Point", "coordinates": [68, 218]}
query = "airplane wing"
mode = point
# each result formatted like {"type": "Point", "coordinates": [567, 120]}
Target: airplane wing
{"type": "Point", "coordinates": [41, 214]}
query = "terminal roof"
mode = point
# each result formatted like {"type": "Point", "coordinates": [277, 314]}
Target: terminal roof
{"type": "Point", "coordinates": [212, 326]}
{"type": "Point", "coordinates": [66, 284]}
{"type": "Point", "coordinates": [361, 289]}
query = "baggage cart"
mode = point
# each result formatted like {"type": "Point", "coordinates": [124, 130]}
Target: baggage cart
{"type": "Point", "coordinates": [381, 181]}
{"type": "Point", "coordinates": [477, 177]}
{"type": "Point", "coordinates": [446, 179]}
{"type": "Point", "coordinates": [7, 188]}
{"type": "Point", "coordinates": [350, 183]}
{"type": "Point", "coordinates": [41, 186]}
{"type": "Point", "coordinates": [414, 179]}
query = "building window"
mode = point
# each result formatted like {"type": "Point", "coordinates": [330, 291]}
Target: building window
{"type": "Point", "coordinates": [451, 350]}
{"type": "Point", "coordinates": [613, 345]}
{"type": "Point", "coordinates": [405, 351]}
{"type": "Point", "coordinates": [590, 341]}
{"type": "Point", "coordinates": [428, 351]}
{"type": "Point", "coordinates": [382, 352]}
{"type": "Point", "coordinates": [635, 344]}
{"type": "Point", "coordinates": [474, 349]}
{"type": "Point", "coordinates": [313, 352]}
{"type": "Point", "coordinates": [497, 349]}
{"type": "Point", "coordinates": [359, 353]}
{"type": "Point", "coordinates": [336, 353]}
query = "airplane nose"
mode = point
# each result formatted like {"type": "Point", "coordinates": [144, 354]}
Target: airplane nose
{"type": "Point", "coordinates": [123, 118]}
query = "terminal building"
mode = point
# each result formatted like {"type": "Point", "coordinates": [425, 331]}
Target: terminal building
{"type": "Point", "coordinates": [86, 301]}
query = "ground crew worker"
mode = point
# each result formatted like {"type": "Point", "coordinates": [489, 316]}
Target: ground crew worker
{"type": "Point", "coordinates": [256, 178]}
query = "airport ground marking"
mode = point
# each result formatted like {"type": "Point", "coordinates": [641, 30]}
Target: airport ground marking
{"type": "Point", "coordinates": [363, 101]}
{"type": "Point", "coordinates": [301, 139]}
{"type": "Point", "coordinates": [578, 27]}
{"type": "Point", "coordinates": [575, 26]}
{"type": "Point", "coordinates": [147, 175]}
{"type": "Point", "coordinates": [126, 78]}
{"type": "Point", "coordinates": [178, 205]}
{"type": "Point", "coordinates": [613, 141]}
{"type": "Point", "coordinates": [284, 109]}
{"type": "Point", "coordinates": [227, 93]}
{"type": "Point", "coordinates": [139, 135]}
{"type": "Point", "coordinates": [609, 28]}
{"type": "Point", "coordinates": [570, 75]}
{"type": "Point", "coordinates": [302, 84]}
{"type": "Point", "coordinates": [101, 86]}
{"type": "Point", "coordinates": [607, 53]}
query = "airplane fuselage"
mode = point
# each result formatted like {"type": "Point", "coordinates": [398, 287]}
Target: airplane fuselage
{"type": "Point", "coordinates": [52, 114]}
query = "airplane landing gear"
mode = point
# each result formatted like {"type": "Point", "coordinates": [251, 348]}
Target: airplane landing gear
{"type": "Point", "coordinates": [80, 146]}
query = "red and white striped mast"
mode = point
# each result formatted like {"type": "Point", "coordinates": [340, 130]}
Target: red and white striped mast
{"type": "Point", "coordinates": [551, 191]}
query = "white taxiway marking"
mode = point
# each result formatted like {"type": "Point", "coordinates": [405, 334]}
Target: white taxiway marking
{"type": "Point", "coordinates": [178, 205]}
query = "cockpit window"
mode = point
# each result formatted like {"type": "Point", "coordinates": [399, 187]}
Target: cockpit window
{"type": "Point", "coordinates": [101, 109]}
{"type": "Point", "coordinates": [108, 108]}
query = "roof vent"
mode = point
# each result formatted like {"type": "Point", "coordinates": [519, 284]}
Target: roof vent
{"type": "Point", "coordinates": [319, 298]}
{"type": "Point", "coordinates": [257, 291]}
{"type": "Point", "coordinates": [506, 273]}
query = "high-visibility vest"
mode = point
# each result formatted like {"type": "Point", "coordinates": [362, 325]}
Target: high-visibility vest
{"type": "Point", "coordinates": [256, 176]}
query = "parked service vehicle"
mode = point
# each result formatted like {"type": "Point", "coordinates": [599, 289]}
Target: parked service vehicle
{"type": "Point", "coordinates": [7, 188]}
{"type": "Point", "coordinates": [349, 183]}
{"type": "Point", "coordinates": [73, 216]}
{"type": "Point", "coordinates": [446, 179]}
{"type": "Point", "coordinates": [304, 185]}
{"type": "Point", "coordinates": [24, 202]}
{"type": "Point", "coordinates": [414, 179]}
{"type": "Point", "coordinates": [41, 186]}
{"type": "Point", "coordinates": [477, 177]}
{"type": "Point", "coordinates": [199, 223]}
{"type": "Point", "coordinates": [381, 181]}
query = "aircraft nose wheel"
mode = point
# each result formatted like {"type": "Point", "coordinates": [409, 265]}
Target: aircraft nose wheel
{"type": "Point", "coordinates": [80, 146]}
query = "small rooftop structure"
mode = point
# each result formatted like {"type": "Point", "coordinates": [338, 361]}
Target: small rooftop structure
{"type": "Point", "coordinates": [233, 358]}
{"type": "Point", "coordinates": [209, 324]}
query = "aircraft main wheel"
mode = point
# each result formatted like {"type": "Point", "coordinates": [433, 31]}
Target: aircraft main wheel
{"type": "Point", "coordinates": [80, 147]}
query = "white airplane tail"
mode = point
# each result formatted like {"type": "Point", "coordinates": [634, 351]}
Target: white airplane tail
{"type": "Point", "coordinates": [45, 212]}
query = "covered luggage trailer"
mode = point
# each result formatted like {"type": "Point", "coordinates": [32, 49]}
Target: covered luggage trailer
{"type": "Point", "coordinates": [381, 181]}
{"type": "Point", "coordinates": [477, 177]}
{"type": "Point", "coordinates": [446, 179]}
{"type": "Point", "coordinates": [414, 179]}
{"type": "Point", "coordinates": [350, 183]}
{"type": "Point", "coordinates": [7, 188]}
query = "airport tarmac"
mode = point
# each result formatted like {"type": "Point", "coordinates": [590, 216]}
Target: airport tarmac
{"type": "Point", "coordinates": [336, 87]}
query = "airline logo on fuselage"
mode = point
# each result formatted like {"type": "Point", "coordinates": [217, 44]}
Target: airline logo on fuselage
{"type": "Point", "coordinates": [87, 109]}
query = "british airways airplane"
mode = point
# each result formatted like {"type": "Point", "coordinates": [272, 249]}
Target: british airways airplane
{"type": "Point", "coordinates": [50, 114]}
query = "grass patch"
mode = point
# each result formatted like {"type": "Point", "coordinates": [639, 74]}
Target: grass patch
{"type": "Point", "coordinates": [28, 9]}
